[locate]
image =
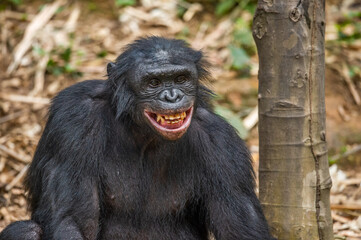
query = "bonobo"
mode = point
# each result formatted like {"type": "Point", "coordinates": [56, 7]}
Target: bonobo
{"type": "Point", "coordinates": [141, 155]}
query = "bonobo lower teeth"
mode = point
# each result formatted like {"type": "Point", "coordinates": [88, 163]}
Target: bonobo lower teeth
{"type": "Point", "coordinates": [171, 119]}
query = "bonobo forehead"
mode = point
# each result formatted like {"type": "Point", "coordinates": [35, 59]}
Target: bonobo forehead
{"type": "Point", "coordinates": [157, 48]}
{"type": "Point", "coordinates": [158, 51]}
{"type": "Point", "coordinates": [164, 70]}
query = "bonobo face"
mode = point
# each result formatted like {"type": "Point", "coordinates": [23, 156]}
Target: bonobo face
{"type": "Point", "coordinates": [167, 94]}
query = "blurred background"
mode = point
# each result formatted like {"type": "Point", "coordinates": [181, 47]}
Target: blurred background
{"type": "Point", "coordinates": [46, 46]}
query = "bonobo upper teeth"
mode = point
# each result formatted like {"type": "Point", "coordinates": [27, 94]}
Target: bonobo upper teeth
{"type": "Point", "coordinates": [160, 118]}
{"type": "Point", "coordinates": [175, 118]}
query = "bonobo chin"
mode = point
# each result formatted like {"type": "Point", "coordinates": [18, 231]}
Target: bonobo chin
{"type": "Point", "coordinates": [141, 155]}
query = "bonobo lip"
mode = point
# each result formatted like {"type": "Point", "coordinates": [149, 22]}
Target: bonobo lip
{"type": "Point", "coordinates": [171, 125]}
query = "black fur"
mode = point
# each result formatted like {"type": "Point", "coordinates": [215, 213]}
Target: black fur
{"type": "Point", "coordinates": [100, 172]}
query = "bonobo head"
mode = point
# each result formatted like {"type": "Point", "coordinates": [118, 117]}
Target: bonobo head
{"type": "Point", "coordinates": [156, 82]}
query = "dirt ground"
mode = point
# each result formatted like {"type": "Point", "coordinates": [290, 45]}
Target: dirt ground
{"type": "Point", "coordinates": [79, 39]}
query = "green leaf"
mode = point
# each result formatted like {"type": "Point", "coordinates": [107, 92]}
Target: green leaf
{"type": "Point", "coordinates": [102, 54]}
{"type": "Point", "coordinates": [240, 59]}
{"type": "Point", "coordinates": [66, 55]}
{"type": "Point", "coordinates": [39, 51]}
{"type": "Point", "coordinates": [244, 37]}
{"type": "Point", "coordinates": [16, 2]}
{"type": "Point", "coordinates": [124, 3]}
{"type": "Point", "coordinates": [224, 7]}
{"type": "Point", "coordinates": [232, 119]}
{"type": "Point", "coordinates": [92, 6]}
{"type": "Point", "coordinates": [68, 68]}
{"type": "Point", "coordinates": [60, 9]}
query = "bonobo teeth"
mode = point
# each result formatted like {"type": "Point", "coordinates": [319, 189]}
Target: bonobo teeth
{"type": "Point", "coordinates": [160, 119]}
{"type": "Point", "coordinates": [171, 119]}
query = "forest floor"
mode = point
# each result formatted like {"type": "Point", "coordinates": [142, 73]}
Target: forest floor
{"type": "Point", "coordinates": [75, 43]}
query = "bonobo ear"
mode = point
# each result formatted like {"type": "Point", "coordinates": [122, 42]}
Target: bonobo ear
{"type": "Point", "coordinates": [198, 56]}
{"type": "Point", "coordinates": [110, 67]}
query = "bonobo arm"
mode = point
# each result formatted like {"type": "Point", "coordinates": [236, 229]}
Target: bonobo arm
{"type": "Point", "coordinates": [24, 230]}
{"type": "Point", "coordinates": [233, 210]}
{"type": "Point", "coordinates": [63, 178]}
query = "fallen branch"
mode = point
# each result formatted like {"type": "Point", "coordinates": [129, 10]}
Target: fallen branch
{"type": "Point", "coordinates": [17, 178]}
{"type": "Point", "coordinates": [18, 15]}
{"type": "Point", "coordinates": [36, 24]}
{"type": "Point", "coordinates": [12, 116]}
{"type": "Point", "coordinates": [350, 235]}
{"type": "Point", "coordinates": [24, 99]}
{"type": "Point", "coordinates": [2, 164]}
{"type": "Point", "coordinates": [339, 218]}
{"type": "Point", "coordinates": [345, 207]}
{"type": "Point", "coordinates": [92, 69]}
{"type": "Point", "coordinates": [343, 114]}
{"type": "Point", "coordinates": [192, 10]}
{"type": "Point", "coordinates": [4, 35]}
{"type": "Point", "coordinates": [21, 158]}
{"type": "Point", "coordinates": [70, 24]}
{"type": "Point", "coordinates": [350, 85]}
{"type": "Point", "coordinates": [40, 75]}
{"type": "Point", "coordinates": [252, 119]}
{"type": "Point", "coordinates": [346, 154]}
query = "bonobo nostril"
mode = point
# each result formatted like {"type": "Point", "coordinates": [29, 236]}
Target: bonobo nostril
{"type": "Point", "coordinates": [171, 95]}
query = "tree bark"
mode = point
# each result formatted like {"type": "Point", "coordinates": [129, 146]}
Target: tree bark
{"type": "Point", "coordinates": [294, 173]}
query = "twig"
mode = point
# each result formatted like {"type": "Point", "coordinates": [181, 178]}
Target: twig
{"type": "Point", "coordinates": [36, 24]}
{"type": "Point", "coordinates": [70, 24]}
{"type": "Point", "coordinates": [350, 235]}
{"type": "Point", "coordinates": [221, 30]}
{"type": "Point", "coordinates": [92, 69]}
{"type": "Point", "coordinates": [17, 178]}
{"type": "Point", "coordinates": [346, 154]}
{"type": "Point", "coordinates": [197, 42]}
{"type": "Point", "coordinates": [138, 14]}
{"type": "Point", "coordinates": [350, 84]}
{"type": "Point", "coordinates": [192, 10]}
{"type": "Point", "coordinates": [17, 166]}
{"type": "Point", "coordinates": [24, 99]}
{"type": "Point", "coordinates": [340, 218]}
{"type": "Point", "coordinates": [343, 114]}
{"type": "Point", "coordinates": [18, 16]}
{"type": "Point", "coordinates": [40, 75]}
{"type": "Point", "coordinates": [21, 158]}
{"type": "Point", "coordinates": [353, 181]}
{"type": "Point", "coordinates": [12, 116]}
{"type": "Point", "coordinates": [69, 27]}
{"type": "Point", "coordinates": [4, 35]}
{"type": "Point", "coordinates": [184, 4]}
{"type": "Point", "coordinates": [2, 164]}
{"type": "Point", "coordinates": [345, 207]}
{"type": "Point", "coordinates": [251, 120]}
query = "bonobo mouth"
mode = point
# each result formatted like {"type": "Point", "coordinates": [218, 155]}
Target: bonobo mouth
{"type": "Point", "coordinates": [171, 126]}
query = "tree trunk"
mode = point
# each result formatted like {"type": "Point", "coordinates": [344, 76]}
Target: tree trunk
{"type": "Point", "coordinates": [294, 176]}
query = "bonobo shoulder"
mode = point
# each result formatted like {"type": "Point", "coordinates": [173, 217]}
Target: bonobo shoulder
{"type": "Point", "coordinates": [89, 89]}
{"type": "Point", "coordinates": [78, 107]}
{"type": "Point", "coordinates": [77, 117]}
{"type": "Point", "coordinates": [80, 98]}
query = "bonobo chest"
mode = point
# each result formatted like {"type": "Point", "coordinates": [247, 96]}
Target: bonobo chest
{"type": "Point", "coordinates": [151, 183]}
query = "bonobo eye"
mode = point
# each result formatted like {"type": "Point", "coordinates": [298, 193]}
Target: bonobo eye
{"type": "Point", "coordinates": [181, 79]}
{"type": "Point", "coordinates": [154, 82]}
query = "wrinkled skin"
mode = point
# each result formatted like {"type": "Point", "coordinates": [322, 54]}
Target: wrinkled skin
{"type": "Point", "coordinates": [141, 156]}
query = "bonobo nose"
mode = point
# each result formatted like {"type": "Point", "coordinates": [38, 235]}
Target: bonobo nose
{"type": "Point", "coordinates": [171, 95]}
